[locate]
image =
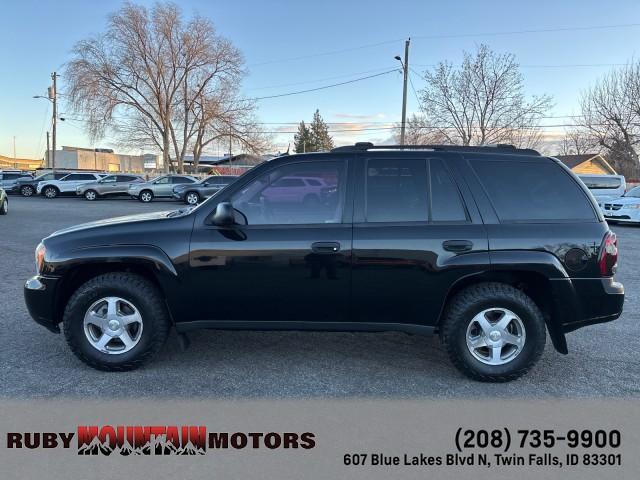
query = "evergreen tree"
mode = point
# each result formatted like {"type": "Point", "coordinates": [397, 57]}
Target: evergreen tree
{"type": "Point", "coordinates": [302, 141]}
{"type": "Point", "coordinates": [322, 141]}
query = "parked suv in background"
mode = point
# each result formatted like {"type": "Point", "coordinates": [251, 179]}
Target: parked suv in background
{"type": "Point", "coordinates": [67, 184]}
{"type": "Point", "coordinates": [605, 187]}
{"type": "Point", "coordinates": [488, 247]}
{"type": "Point", "coordinates": [109, 186]}
{"type": "Point", "coordinates": [27, 186]}
{"type": "Point", "coordinates": [158, 187]}
{"type": "Point", "coordinates": [8, 179]}
{"type": "Point", "coordinates": [194, 193]}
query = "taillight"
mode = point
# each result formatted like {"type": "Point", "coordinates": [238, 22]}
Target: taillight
{"type": "Point", "coordinates": [608, 258]}
{"type": "Point", "coordinates": [40, 252]}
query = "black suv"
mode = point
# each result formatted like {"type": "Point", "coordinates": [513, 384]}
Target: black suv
{"type": "Point", "coordinates": [488, 247]}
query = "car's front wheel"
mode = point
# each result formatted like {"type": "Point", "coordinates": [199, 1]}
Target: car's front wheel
{"type": "Point", "coordinates": [4, 207]}
{"type": "Point", "coordinates": [116, 321]}
{"type": "Point", "coordinates": [27, 191]}
{"type": "Point", "coordinates": [493, 332]}
{"type": "Point", "coordinates": [192, 198]}
{"type": "Point", "coordinates": [146, 196]}
{"type": "Point", "coordinates": [91, 195]}
{"type": "Point", "coordinates": [50, 192]}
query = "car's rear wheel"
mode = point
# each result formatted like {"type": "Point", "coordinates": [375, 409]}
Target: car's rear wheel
{"type": "Point", "coordinates": [493, 332]}
{"type": "Point", "coordinates": [91, 195]}
{"type": "Point", "coordinates": [27, 191]}
{"type": "Point", "coordinates": [146, 196]}
{"type": "Point", "coordinates": [192, 198]}
{"type": "Point", "coordinates": [4, 207]}
{"type": "Point", "coordinates": [50, 192]}
{"type": "Point", "coordinates": [116, 321]}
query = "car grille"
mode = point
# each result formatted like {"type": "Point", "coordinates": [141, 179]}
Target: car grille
{"type": "Point", "coordinates": [612, 206]}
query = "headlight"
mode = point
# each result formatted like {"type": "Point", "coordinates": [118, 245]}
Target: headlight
{"type": "Point", "coordinates": [40, 251]}
{"type": "Point", "coordinates": [636, 206]}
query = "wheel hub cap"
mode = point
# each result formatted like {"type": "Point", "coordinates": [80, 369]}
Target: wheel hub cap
{"type": "Point", "coordinates": [113, 325]}
{"type": "Point", "coordinates": [495, 336]}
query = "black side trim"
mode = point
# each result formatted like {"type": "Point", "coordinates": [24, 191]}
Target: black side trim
{"type": "Point", "coordinates": [317, 326]}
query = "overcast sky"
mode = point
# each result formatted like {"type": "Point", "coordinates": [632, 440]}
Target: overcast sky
{"type": "Point", "coordinates": [297, 45]}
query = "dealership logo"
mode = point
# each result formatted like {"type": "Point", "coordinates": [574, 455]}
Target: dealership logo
{"type": "Point", "coordinates": [157, 440]}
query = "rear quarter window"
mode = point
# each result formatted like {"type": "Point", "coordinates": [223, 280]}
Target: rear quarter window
{"type": "Point", "coordinates": [538, 191]}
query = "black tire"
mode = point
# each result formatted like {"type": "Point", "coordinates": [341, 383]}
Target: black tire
{"type": "Point", "coordinates": [145, 196]}
{"type": "Point", "coordinates": [4, 208]}
{"type": "Point", "coordinates": [50, 192]}
{"type": "Point", "coordinates": [91, 195]}
{"type": "Point", "coordinates": [27, 191]}
{"type": "Point", "coordinates": [133, 288]}
{"type": "Point", "coordinates": [196, 195]}
{"type": "Point", "coordinates": [469, 302]}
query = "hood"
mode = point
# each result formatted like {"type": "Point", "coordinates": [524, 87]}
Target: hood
{"type": "Point", "coordinates": [624, 201]}
{"type": "Point", "coordinates": [143, 217]}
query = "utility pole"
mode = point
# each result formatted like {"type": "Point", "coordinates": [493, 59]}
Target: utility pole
{"type": "Point", "coordinates": [48, 161]}
{"type": "Point", "coordinates": [53, 94]}
{"type": "Point", "coordinates": [230, 155]}
{"type": "Point", "coordinates": [405, 68]}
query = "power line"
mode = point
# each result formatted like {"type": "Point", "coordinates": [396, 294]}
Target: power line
{"type": "Point", "coordinates": [325, 86]}
{"type": "Point", "coordinates": [451, 35]}
{"type": "Point", "coordinates": [566, 65]}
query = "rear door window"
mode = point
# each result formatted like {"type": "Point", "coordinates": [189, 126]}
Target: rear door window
{"type": "Point", "coordinates": [522, 191]}
{"type": "Point", "coordinates": [446, 204]}
{"type": "Point", "coordinates": [396, 190]}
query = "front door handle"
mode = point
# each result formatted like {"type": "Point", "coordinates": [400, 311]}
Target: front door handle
{"type": "Point", "coordinates": [325, 247]}
{"type": "Point", "coordinates": [457, 245]}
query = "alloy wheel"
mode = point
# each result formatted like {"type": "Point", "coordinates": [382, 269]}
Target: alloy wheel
{"type": "Point", "coordinates": [113, 325]}
{"type": "Point", "coordinates": [50, 192]}
{"type": "Point", "coordinates": [192, 198]}
{"type": "Point", "coordinates": [26, 191]}
{"type": "Point", "coordinates": [146, 196]}
{"type": "Point", "coordinates": [495, 336]}
{"type": "Point", "coordinates": [90, 195]}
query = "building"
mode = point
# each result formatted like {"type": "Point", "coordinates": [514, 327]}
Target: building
{"type": "Point", "coordinates": [101, 159]}
{"type": "Point", "coordinates": [588, 163]}
{"type": "Point", "coordinates": [19, 163]}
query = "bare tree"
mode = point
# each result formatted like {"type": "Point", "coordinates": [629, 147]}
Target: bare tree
{"type": "Point", "coordinates": [144, 77]}
{"type": "Point", "coordinates": [611, 115]}
{"type": "Point", "coordinates": [418, 131]}
{"type": "Point", "coordinates": [483, 101]}
{"type": "Point", "coordinates": [577, 142]}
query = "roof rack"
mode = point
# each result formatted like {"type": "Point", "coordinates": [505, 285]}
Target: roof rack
{"type": "Point", "coordinates": [494, 148]}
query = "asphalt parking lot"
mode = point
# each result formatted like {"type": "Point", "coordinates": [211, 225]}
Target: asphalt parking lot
{"type": "Point", "coordinates": [604, 360]}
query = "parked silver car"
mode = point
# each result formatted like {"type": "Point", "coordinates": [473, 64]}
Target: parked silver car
{"type": "Point", "coordinates": [110, 186]}
{"type": "Point", "coordinates": [8, 178]}
{"type": "Point", "coordinates": [158, 187]}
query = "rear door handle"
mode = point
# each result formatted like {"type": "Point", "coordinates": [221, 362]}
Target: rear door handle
{"type": "Point", "coordinates": [325, 247]}
{"type": "Point", "coordinates": [457, 245]}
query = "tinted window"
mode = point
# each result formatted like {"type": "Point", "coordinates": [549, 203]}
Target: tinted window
{"type": "Point", "coordinates": [79, 176]}
{"type": "Point", "coordinates": [181, 180]}
{"type": "Point", "coordinates": [57, 176]}
{"type": "Point", "coordinates": [110, 179]}
{"type": "Point", "coordinates": [396, 191]}
{"type": "Point", "coordinates": [13, 176]}
{"type": "Point", "coordinates": [634, 192]}
{"type": "Point", "coordinates": [538, 190]}
{"type": "Point", "coordinates": [601, 183]}
{"type": "Point", "coordinates": [126, 178]}
{"type": "Point", "coordinates": [163, 180]}
{"type": "Point", "coordinates": [278, 197]}
{"type": "Point", "coordinates": [446, 205]}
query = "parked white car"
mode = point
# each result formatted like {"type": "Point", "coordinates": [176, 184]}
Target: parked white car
{"type": "Point", "coordinates": [605, 187]}
{"type": "Point", "coordinates": [623, 209]}
{"type": "Point", "coordinates": [67, 184]}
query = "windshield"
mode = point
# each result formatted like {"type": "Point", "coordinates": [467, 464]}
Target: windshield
{"type": "Point", "coordinates": [634, 192]}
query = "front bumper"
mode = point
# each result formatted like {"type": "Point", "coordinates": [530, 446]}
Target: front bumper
{"type": "Point", "coordinates": [40, 295]}
{"type": "Point", "coordinates": [178, 195]}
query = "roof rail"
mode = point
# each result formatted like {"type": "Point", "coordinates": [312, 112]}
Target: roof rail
{"type": "Point", "coordinates": [499, 148]}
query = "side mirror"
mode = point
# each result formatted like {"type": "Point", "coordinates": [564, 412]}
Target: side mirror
{"type": "Point", "coordinates": [205, 184]}
{"type": "Point", "coordinates": [224, 215]}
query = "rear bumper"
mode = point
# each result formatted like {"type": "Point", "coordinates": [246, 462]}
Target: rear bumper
{"type": "Point", "coordinates": [593, 300]}
{"type": "Point", "coordinates": [39, 295]}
